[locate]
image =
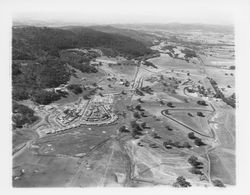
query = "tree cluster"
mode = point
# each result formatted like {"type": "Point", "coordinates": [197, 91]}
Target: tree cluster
{"type": "Point", "coordinates": [181, 182]}
{"type": "Point", "coordinates": [197, 140]}
{"type": "Point", "coordinates": [75, 88]}
{"type": "Point", "coordinates": [22, 115]}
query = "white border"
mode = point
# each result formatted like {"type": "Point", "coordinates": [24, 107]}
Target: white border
{"type": "Point", "coordinates": [240, 10]}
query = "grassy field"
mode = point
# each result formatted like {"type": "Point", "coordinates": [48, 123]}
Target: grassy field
{"type": "Point", "coordinates": [223, 80]}
{"type": "Point", "coordinates": [223, 166]}
{"type": "Point", "coordinates": [217, 61]}
{"type": "Point", "coordinates": [21, 136]}
{"type": "Point", "coordinates": [41, 171]}
{"type": "Point", "coordinates": [166, 62]}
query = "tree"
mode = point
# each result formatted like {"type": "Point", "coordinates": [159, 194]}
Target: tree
{"type": "Point", "coordinates": [138, 92]}
{"type": "Point", "coordinates": [168, 144]}
{"type": "Point", "coordinates": [169, 128]}
{"type": "Point", "coordinates": [22, 115]}
{"type": "Point", "coordinates": [44, 97]}
{"type": "Point", "coordinates": [198, 142]}
{"type": "Point", "coordinates": [136, 115]}
{"type": "Point", "coordinates": [162, 102]}
{"type": "Point", "coordinates": [191, 135]}
{"type": "Point", "coordinates": [86, 97]}
{"type": "Point", "coordinates": [200, 114]}
{"type": "Point", "coordinates": [135, 126]}
{"type": "Point", "coordinates": [20, 93]}
{"type": "Point", "coordinates": [193, 160]}
{"type": "Point", "coordinates": [218, 183]}
{"type": "Point", "coordinates": [181, 182]}
{"type": "Point", "coordinates": [136, 132]}
{"type": "Point", "coordinates": [138, 107]}
{"type": "Point", "coordinates": [155, 135]}
{"type": "Point", "coordinates": [123, 92]}
{"type": "Point", "coordinates": [195, 171]}
{"type": "Point", "coordinates": [75, 88]}
{"type": "Point", "coordinates": [144, 125]}
{"type": "Point", "coordinates": [143, 114]}
{"type": "Point", "coordinates": [139, 100]}
{"type": "Point", "coordinates": [123, 129]}
{"type": "Point", "coordinates": [202, 102]}
{"type": "Point", "coordinates": [170, 104]}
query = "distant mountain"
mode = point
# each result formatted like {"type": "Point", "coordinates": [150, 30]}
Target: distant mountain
{"type": "Point", "coordinates": [139, 36]}
{"type": "Point", "coordinates": [179, 27]}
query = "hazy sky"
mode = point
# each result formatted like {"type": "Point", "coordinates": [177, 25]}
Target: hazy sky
{"type": "Point", "coordinates": [127, 11]}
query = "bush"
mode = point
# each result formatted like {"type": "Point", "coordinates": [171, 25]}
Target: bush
{"type": "Point", "coordinates": [218, 183]}
{"type": "Point", "coordinates": [199, 142]}
{"type": "Point", "coordinates": [200, 114]}
{"type": "Point", "coordinates": [19, 93]}
{"type": "Point", "coordinates": [181, 182]}
{"type": "Point", "coordinates": [191, 135]}
{"type": "Point", "coordinates": [196, 171]}
{"type": "Point", "coordinates": [22, 115]}
{"type": "Point", "coordinates": [202, 102]}
{"type": "Point", "coordinates": [75, 88]}
{"type": "Point", "coordinates": [147, 63]}
{"type": "Point", "coordinates": [193, 160]}
{"type": "Point", "coordinates": [170, 104]}
{"type": "Point", "coordinates": [123, 129]}
{"type": "Point", "coordinates": [136, 115]}
{"type": "Point", "coordinates": [138, 107]}
{"type": "Point", "coordinates": [45, 97]}
{"type": "Point", "coordinates": [136, 129]}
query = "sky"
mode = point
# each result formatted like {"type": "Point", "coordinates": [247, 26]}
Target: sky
{"type": "Point", "coordinates": [127, 11]}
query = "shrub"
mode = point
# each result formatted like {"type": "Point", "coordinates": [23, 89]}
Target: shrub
{"type": "Point", "coordinates": [22, 115]}
{"type": "Point", "coordinates": [181, 182]}
{"type": "Point", "coordinates": [191, 135]}
{"type": "Point", "coordinates": [218, 183]}
{"type": "Point", "coordinates": [45, 97]}
{"type": "Point", "coordinates": [75, 88]}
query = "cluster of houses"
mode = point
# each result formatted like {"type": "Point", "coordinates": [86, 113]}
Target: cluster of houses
{"type": "Point", "coordinates": [99, 108]}
{"type": "Point", "coordinates": [98, 112]}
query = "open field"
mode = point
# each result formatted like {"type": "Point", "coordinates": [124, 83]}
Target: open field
{"type": "Point", "coordinates": [165, 61]}
{"type": "Point", "coordinates": [218, 61]}
{"type": "Point", "coordinates": [224, 78]}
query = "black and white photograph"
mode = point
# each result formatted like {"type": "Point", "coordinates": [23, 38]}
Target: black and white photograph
{"type": "Point", "coordinates": [127, 94]}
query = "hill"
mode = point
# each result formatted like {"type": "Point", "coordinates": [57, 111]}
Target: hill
{"type": "Point", "coordinates": [30, 43]}
{"type": "Point", "coordinates": [145, 38]}
{"type": "Point", "coordinates": [179, 27]}
{"type": "Point", "coordinates": [40, 57]}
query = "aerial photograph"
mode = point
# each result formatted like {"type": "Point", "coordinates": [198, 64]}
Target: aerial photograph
{"type": "Point", "coordinates": [102, 102]}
